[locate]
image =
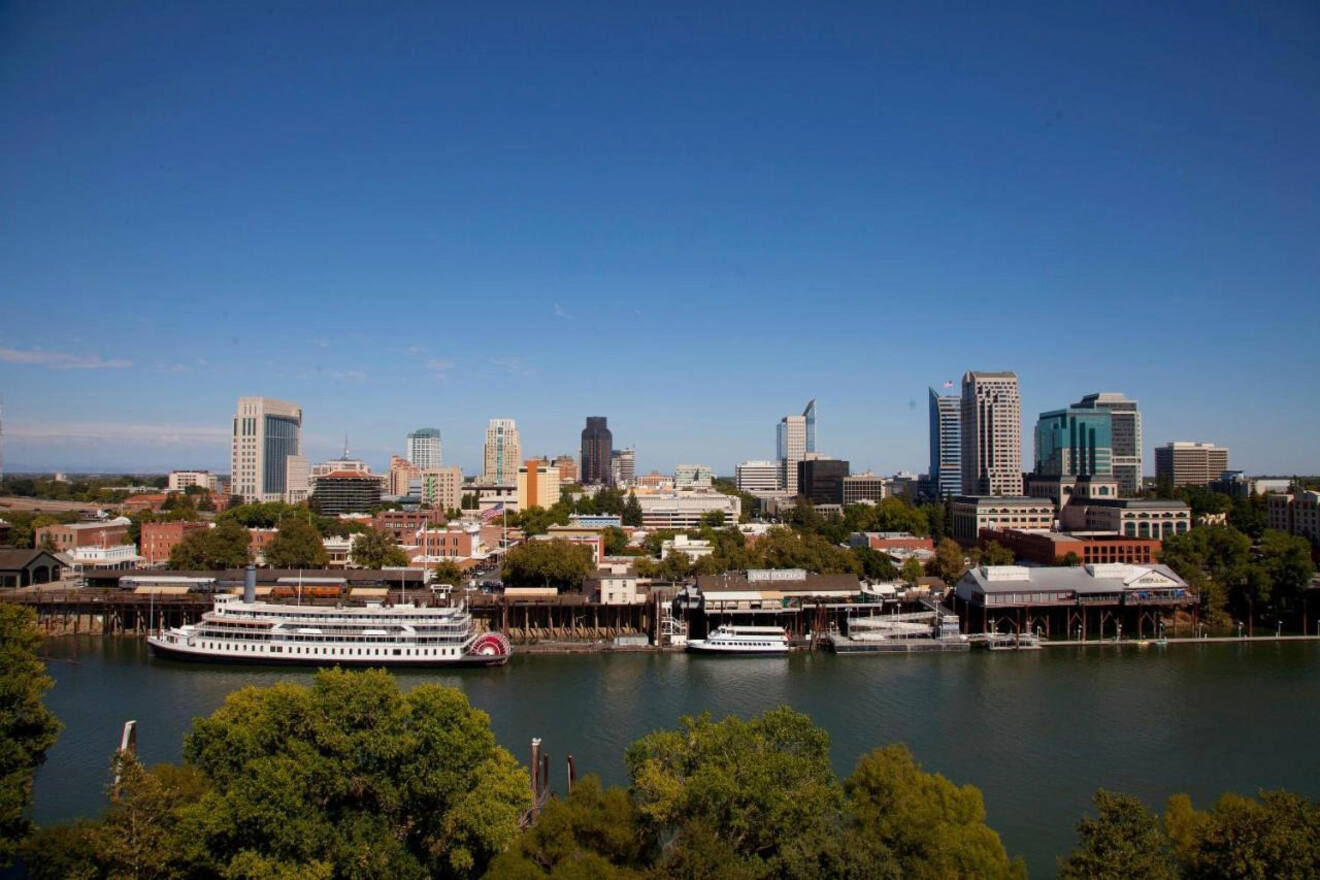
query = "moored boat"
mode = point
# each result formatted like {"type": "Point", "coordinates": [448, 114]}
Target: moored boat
{"type": "Point", "coordinates": [730, 639]}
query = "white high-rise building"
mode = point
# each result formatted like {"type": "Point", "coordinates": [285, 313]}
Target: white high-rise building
{"type": "Point", "coordinates": [502, 453]}
{"type": "Point", "coordinates": [791, 448]}
{"type": "Point", "coordinates": [266, 433]}
{"type": "Point", "coordinates": [758, 476]}
{"type": "Point", "coordinates": [424, 447]}
{"type": "Point", "coordinates": [991, 434]}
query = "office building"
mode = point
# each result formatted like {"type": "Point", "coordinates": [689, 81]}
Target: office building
{"type": "Point", "coordinates": [441, 488]}
{"type": "Point", "coordinates": [971, 514]}
{"type": "Point", "coordinates": [820, 480]}
{"type": "Point", "coordinates": [684, 510]}
{"type": "Point", "coordinates": [1125, 436]}
{"type": "Point", "coordinates": [795, 438]}
{"type": "Point", "coordinates": [503, 453]}
{"type": "Point", "coordinates": [860, 488]}
{"type": "Point", "coordinates": [266, 433]}
{"type": "Point", "coordinates": [1239, 485]}
{"type": "Point", "coordinates": [424, 447]}
{"type": "Point", "coordinates": [1297, 513]}
{"type": "Point", "coordinates": [568, 469]}
{"type": "Point", "coordinates": [693, 476]}
{"type": "Point", "coordinates": [403, 476]}
{"type": "Point", "coordinates": [597, 451]}
{"type": "Point", "coordinates": [758, 476]}
{"type": "Point", "coordinates": [945, 444]}
{"type": "Point", "coordinates": [623, 466]}
{"type": "Point", "coordinates": [1190, 464]}
{"type": "Point", "coordinates": [181, 480]}
{"type": "Point", "coordinates": [1074, 443]}
{"type": "Point", "coordinates": [1130, 517]}
{"type": "Point", "coordinates": [538, 484]}
{"type": "Point", "coordinates": [297, 479]}
{"type": "Point", "coordinates": [345, 492]}
{"type": "Point", "coordinates": [991, 434]}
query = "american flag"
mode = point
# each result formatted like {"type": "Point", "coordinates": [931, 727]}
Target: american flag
{"type": "Point", "coordinates": [493, 512]}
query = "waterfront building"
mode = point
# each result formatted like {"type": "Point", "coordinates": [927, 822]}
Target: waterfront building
{"type": "Point", "coordinates": [111, 557]}
{"type": "Point", "coordinates": [972, 513]}
{"type": "Point", "coordinates": [772, 589]}
{"type": "Point", "coordinates": [623, 466]}
{"type": "Point", "coordinates": [159, 538]}
{"type": "Point", "coordinates": [692, 548]}
{"type": "Point", "coordinates": [860, 488]}
{"type": "Point", "coordinates": [1190, 464]}
{"type": "Point", "coordinates": [1055, 600]}
{"type": "Point", "coordinates": [757, 476]}
{"type": "Point", "coordinates": [820, 480]}
{"type": "Point", "coordinates": [181, 480]}
{"type": "Point", "coordinates": [684, 510]}
{"type": "Point", "coordinates": [945, 444]}
{"type": "Point", "coordinates": [693, 476]}
{"type": "Point", "coordinates": [610, 587]}
{"type": "Point", "coordinates": [538, 484]}
{"type": "Point", "coordinates": [1054, 548]}
{"type": "Point", "coordinates": [24, 568]}
{"type": "Point", "coordinates": [568, 468]}
{"type": "Point", "coordinates": [1297, 513]}
{"type": "Point", "coordinates": [1125, 436]}
{"type": "Point", "coordinates": [991, 434]}
{"type": "Point", "coordinates": [64, 537]}
{"type": "Point", "coordinates": [441, 488]}
{"type": "Point", "coordinates": [502, 453]}
{"type": "Point", "coordinates": [424, 448]}
{"type": "Point", "coordinates": [345, 492]}
{"type": "Point", "coordinates": [1130, 517]}
{"type": "Point", "coordinates": [796, 437]}
{"type": "Point", "coordinates": [266, 433]}
{"type": "Point", "coordinates": [597, 449]}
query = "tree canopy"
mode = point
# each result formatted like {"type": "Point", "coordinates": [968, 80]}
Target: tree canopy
{"type": "Point", "coordinates": [297, 545]}
{"type": "Point", "coordinates": [227, 545]}
{"type": "Point", "coordinates": [558, 564]}
{"type": "Point", "coordinates": [373, 549]}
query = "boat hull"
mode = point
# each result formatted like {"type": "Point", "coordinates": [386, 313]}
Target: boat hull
{"type": "Point", "coordinates": [172, 653]}
{"type": "Point", "coordinates": [897, 646]}
{"type": "Point", "coordinates": [728, 651]}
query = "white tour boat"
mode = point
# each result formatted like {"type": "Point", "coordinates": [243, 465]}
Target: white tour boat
{"type": "Point", "coordinates": [243, 630]}
{"type": "Point", "coordinates": [729, 639]}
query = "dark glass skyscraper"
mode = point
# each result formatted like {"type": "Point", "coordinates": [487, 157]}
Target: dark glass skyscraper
{"type": "Point", "coordinates": [597, 447]}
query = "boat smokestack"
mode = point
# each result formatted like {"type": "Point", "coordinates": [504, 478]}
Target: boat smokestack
{"type": "Point", "coordinates": [250, 583]}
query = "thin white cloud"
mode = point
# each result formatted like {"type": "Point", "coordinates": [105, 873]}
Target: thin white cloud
{"type": "Point", "coordinates": [559, 312]}
{"type": "Point", "coordinates": [416, 349]}
{"type": "Point", "coordinates": [61, 360]}
{"type": "Point", "coordinates": [111, 432]}
{"type": "Point", "coordinates": [514, 366]}
{"type": "Point", "coordinates": [439, 369]}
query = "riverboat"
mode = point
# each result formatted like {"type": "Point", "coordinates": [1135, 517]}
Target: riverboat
{"type": "Point", "coordinates": [729, 639]}
{"type": "Point", "coordinates": [921, 632]}
{"type": "Point", "coordinates": [247, 631]}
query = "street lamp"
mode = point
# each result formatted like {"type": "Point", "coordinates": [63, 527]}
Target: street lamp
{"type": "Point", "coordinates": [1239, 625]}
{"type": "Point", "coordinates": [1118, 632]}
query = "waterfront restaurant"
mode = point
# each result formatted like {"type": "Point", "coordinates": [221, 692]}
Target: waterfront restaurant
{"type": "Point", "coordinates": [1073, 601]}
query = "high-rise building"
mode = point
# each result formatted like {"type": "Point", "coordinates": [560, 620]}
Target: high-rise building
{"type": "Point", "coordinates": [402, 475]}
{"type": "Point", "coordinates": [502, 453]}
{"type": "Point", "coordinates": [1074, 443]}
{"type": "Point", "coordinates": [538, 484]}
{"type": "Point", "coordinates": [1125, 434]}
{"type": "Point", "coordinates": [795, 438]}
{"type": "Point", "coordinates": [758, 476]}
{"type": "Point", "coordinates": [597, 447]}
{"type": "Point", "coordinates": [424, 447]}
{"type": "Point", "coordinates": [297, 479]}
{"type": "Point", "coordinates": [441, 488]}
{"type": "Point", "coordinates": [859, 488]}
{"type": "Point", "coordinates": [1190, 464]}
{"type": "Point", "coordinates": [623, 466]}
{"type": "Point", "coordinates": [266, 433]}
{"type": "Point", "coordinates": [345, 492]}
{"type": "Point", "coordinates": [945, 444]}
{"type": "Point", "coordinates": [991, 434]}
{"type": "Point", "coordinates": [568, 469]}
{"type": "Point", "coordinates": [821, 479]}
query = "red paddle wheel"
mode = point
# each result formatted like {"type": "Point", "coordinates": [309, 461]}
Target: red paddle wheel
{"type": "Point", "coordinates": [491, 644]}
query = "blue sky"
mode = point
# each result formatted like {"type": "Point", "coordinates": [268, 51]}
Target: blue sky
{"type": "Point", "coordinates": [688, 218]}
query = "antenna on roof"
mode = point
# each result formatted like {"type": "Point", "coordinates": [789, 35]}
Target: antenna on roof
{"type": "Point", "coordinates": [345, 456]}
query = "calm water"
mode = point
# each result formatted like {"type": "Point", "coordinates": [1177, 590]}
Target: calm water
{"type": "Point", "coordinates": [1037, 732]}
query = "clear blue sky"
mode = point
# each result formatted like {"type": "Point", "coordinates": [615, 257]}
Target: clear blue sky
{"type": "Point", "coordinates": [689, 219]}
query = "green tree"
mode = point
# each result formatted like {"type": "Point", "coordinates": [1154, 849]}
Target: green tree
{"type": "Point", "coordinates": [616, 540]}
{"type": "Point", "coordinates": [674, 567]}
{"type": "Point", "coordinates": [448, 573]}
{"type": "Point", "coordinates": [1213, 560]}
{"type": "Point", "coordinates": [948, 563]}
{"type": "Point", "coordinates": [749, 796]}
{"type": "Point", "coordinates": [911, 571]}
{"type": "Point", "coordinates": [227, 545]}
{"type": "Point", "coordinates": [632, 511]}
{"type": "Point", "coordinates": [373, 549]}
{"type": "Point", "coordinates": [713, 518]}
{"type": "Point", "coordinates": [994, 553]}
{"type": "Point", "coordinates": [1071, 559]}
{"type": "Point", "coordinates": [933, 828]}
{"type": "Point", "coordinates": [356, 778]}
{"type": "Point", "coordinates": [784, 548]}
{"type": "Point", "coordinates": [1124, 842]}
{"type": "Point", "coordinates": [537, 520]}
{"type": "Point", "coordinates": [593, 833]}
{"type": "Point", "coordinates": [1274, 836]}
{"type": "Point", "coordinates": [875, 565]}
{"type": "Point", "coordinates": [298, 545]}
{"type": "Point", "coordinates": [1286, 559]}
{"type": "Point", "coordinates": [27, 728]}
{"type": "Point", "coordinates": [558, 564]}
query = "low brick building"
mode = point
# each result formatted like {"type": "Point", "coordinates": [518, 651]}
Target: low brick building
{"type": "Point", "coordinates": [403, 525]}
{"type": "Point", "coordinates": [66, 536]}
{"type": "Point", "coordinates": [159, 538]}
{"type": "Point", "coordinates": [1052, 548]}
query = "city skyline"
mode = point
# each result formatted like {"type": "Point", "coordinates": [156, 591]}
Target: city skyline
{"type": "Point", "coordinates": [655, 197]}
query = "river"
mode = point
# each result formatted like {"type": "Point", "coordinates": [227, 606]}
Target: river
{"type": "Point", "coordinates": [1037, 732]}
